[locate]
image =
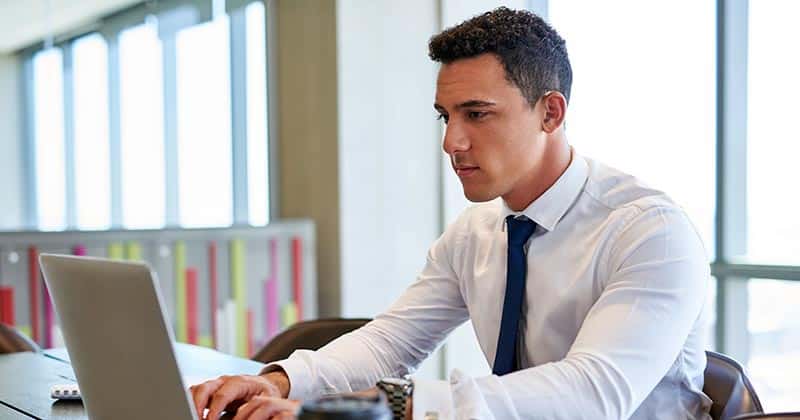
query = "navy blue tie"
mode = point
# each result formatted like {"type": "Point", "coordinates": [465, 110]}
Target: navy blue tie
{"type": "Point", "coordinates": [519, 230]}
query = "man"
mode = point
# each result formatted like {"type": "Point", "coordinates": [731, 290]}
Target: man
{"type": "Point", "coordinates": [586, 289]}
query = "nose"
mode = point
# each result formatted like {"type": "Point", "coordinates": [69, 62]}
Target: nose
{"type": "Point", "coordinates": [455, 138]}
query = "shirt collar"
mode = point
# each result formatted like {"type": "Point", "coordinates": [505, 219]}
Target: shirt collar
{"type": "Point", "coordinates": [551, 206]}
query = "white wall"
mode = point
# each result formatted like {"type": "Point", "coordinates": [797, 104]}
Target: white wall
{"type": "Point", "coordinates": [10, 142]}
{"type": "Point", "coordinates": [388, 148]}
{"type": "Point", "coordinates": [388, 152]}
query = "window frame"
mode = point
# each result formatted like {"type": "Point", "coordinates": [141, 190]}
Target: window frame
{"type": "Point", "coordinates": [172, 15]}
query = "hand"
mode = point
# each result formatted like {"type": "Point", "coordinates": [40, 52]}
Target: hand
{"type": "Point", "coordinates": [226, 392]}
{"type": "Point", "coordinates": [262, 408]}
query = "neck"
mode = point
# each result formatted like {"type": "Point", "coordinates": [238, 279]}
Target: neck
{"type": "Point", "coordinates": [553, 163]}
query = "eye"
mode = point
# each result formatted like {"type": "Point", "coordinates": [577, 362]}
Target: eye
{"type": "Point", "coordinates": [443, 117]}
{"type": "Point", "coordinates": [475, 115]}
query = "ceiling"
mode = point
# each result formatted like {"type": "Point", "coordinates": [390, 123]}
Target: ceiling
{"type": "Point", "coordinates": [24, 22]}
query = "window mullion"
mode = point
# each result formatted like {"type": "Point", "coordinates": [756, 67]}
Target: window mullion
{"type": "Point", "coordinates": [731, 205]}
{"type": "Point", "coordinates": [238, 63]}
{"type": "Point", "coordinates": [71, 206]}
{"type": "Point", "coordinates": [114, 133]}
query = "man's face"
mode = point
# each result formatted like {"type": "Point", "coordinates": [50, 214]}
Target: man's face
{"type": "Point", "coordinates": [493, 137]}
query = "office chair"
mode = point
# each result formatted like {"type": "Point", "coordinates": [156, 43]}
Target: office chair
{"type": "Point", "coordinates": [308, 335]}
{"type": "Point", "coordinates": [730, 390]}
{"type": "Point", "coordinates": [769, 416]}
{"type": "Point", "coordinates": [12, 341]}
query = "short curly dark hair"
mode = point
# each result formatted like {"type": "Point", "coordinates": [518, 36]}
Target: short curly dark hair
{"type": "Point", "coordinates": [533, 54]}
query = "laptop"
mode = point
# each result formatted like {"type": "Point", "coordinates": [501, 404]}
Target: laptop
{"type": "Point", "coordinates": [117, 336]}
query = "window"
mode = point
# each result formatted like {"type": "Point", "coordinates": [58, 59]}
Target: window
{"type": "Point", "coordinates": [773, 227]}
{"type": "Point", "coordinates": [632, 72]}
{"type": "Point", "coordinates": [204, 125]}
{"type": "Point", "coordinates": [774, 331]}
{"type": "Point", "coordinates": [142, 127]}
{"type": "Point", "coordinates": [48, 122]}
{"type": "Point", "coordinates": [773, 136]}
{"type": "Point", "coordinates": [257, 126]}
{"type": "Point", "coordinates": [92, 172]}
{"type": "Point", "coordinates": [132, 125]}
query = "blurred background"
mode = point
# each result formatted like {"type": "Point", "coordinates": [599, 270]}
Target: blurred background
{"type": "Point", "coordinates": [194, 114]}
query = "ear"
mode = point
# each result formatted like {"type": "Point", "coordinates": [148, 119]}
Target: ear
{"type": "Point", "coordinates": [554, 107]}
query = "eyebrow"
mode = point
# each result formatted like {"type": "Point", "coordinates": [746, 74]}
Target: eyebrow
{"type": "Point", "coordinates": [468, 104]}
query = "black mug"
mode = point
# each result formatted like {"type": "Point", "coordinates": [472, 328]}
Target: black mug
{"type": "Point", "coordinates": [346, 407]}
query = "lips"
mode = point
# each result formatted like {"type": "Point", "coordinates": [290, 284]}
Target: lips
{"type": "Point", "coordinates": [464, 171]}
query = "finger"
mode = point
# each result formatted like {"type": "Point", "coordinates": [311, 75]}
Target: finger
{"type": "Point", "coordinates": [229, 392]}
{"type": "Point", "coordinates": [285, 415]}
{"type": "Point", "coordinates": [202, 392]}
{"type": "Point", "coordinates": [245, 409]}
{"type": "Point", "coordinates": [272, 407]}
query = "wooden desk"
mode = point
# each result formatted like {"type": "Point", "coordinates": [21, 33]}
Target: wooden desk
{"type": "Point", "coordinates": [26, 378]}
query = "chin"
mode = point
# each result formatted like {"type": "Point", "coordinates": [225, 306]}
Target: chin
{"type": "Point", "coordinates": [479, 196]}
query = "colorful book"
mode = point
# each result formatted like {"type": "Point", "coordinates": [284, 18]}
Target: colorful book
{"type": "Point", "coordinates": [116, 251]}
{"type": "Point", "coordinates": [213, 297]}
{"type": "Point", "coordinates": [34, 287]}
{"type": "Point", "coordinates": [249, 333]}
{"type": "Point", "coordinates": [220, 328]}
{"type": "Point", "coordinates": [179, 255]}
{"type": "Point", "coordinates": [191, 306]}
{"type": "Point", "coordinates": [239, 294]}
{"type": "Point", "coordinates": [133, 251]}
{"type": "Point", "coordinates": [289, 314]}
{"type": "Point", "coordinates": [206, 341]}
{"type": "Point", "coordinates": [231, 332]}
{"type": "Point", "coordinates": [271, 292]}
{"type": "Point", "coordinates": [7, 305]}
{"type": "Point", "coordinates": [271, 307]}
{"type": "Point", "coordinates": [297, 274]}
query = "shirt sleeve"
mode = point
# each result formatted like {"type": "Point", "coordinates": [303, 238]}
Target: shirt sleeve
{"type": "Point", "coordinates": [394, 343]}
{"type": "Point", "coordinates": [654, 292]}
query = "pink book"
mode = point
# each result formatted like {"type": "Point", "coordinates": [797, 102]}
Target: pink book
{"type": "Point", "coordinates": [212, 276]}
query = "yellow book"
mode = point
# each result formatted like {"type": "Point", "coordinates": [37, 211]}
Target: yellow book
{"type": "Point", "coordinates": [289, 314]}
{"type": "Point", "coordinates": [115, 251]}
{"type": "Point", "coordinates": [180, 291]}
{"type": "Point", "coordinates": [133, 251]}
{"type": "Point", "coordinates": [239, 294]}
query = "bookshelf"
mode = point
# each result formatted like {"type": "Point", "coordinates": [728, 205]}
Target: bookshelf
{"type": "Point", "coordinates": [231, 289]}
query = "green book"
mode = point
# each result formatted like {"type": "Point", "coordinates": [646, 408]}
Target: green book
{"type": "Point", "coordinates": [239, 294]}
{"type": "Point", "coordinates": [205, 341]}
{"type": "Point", "coordinates": [24, 329]}
{"type": "Point", "coordinates": [179, 253]}
{"type": "Point", "coordinates": [115, 251]}
{"type": "Point", "coordinates": [133, 251]}
{"type": "Point", "coordinates": [289, 314]}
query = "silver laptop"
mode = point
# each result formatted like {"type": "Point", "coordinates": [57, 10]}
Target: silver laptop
{"type": "Point", "coordinates": [115, 328]}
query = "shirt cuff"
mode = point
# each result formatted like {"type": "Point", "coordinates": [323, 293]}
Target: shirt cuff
{"type": "Point", "coordinates": [432, 400]}
{"type": "Point", "coordinates": [299, 376]}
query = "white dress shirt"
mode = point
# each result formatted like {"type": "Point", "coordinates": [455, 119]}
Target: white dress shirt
{"type": "Point", "coordinates": [615, 320]}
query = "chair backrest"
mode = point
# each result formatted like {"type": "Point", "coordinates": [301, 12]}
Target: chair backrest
{"type": "Point", "coordinates": [730, 390]}
{"type": "Point", "coordinates": [308, 335]}
{"type": "Point", "coordinates": [12, 341]}
{"type": "Point", "coordinates": [769, 416]}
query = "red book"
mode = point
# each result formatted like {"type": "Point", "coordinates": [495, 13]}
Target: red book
{"type": "Point", "coordinates": [249, 332]}
{"type": "Point", "coordinates": [33, 285]}
{"type": "Point", "coordinates": [297, 275]}
{"type": "Point", "coordinates": [7, 305]}
{"type": "Point", "coordinates": [212, 276]}
{"type": "Point", "coordinates": [191, 305]}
